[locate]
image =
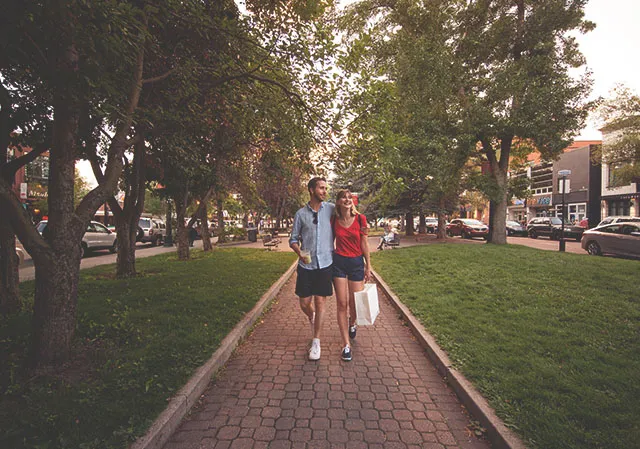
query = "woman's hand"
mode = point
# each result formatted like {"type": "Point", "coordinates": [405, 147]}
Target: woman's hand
{"type": "Point", "coordinates": [367, 274]}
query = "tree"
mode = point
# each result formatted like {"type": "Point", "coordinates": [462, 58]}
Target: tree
{"type": "Point", "coordinates": [518, 55]}
{"type": "Point", "coordinates": [82, 56]}
{"type": "Point", "coordinates": [490, 72]}
{"type": "Point", "coordinates": [409, 129]}
{"type": "Point", "coordinates": [621, 146]}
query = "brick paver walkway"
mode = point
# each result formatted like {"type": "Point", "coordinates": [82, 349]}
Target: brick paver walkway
{"type": "Point", "coordinates": [270, 396]}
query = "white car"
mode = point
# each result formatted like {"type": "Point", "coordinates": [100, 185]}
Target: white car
{"type": "Point", "coordinates": [151, 230]}
{"type": "Point", "coordinates": [97, 236]}
{"type": "Point", "coordinates": [618, 219]}
{"type": "Point", "coordinates": [20, 253]}
{"type": "Point", "coordinates": [622, 239]}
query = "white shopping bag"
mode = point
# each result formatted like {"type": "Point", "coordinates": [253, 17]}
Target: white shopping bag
{"type": "Point", "coordinates": [367, 307]}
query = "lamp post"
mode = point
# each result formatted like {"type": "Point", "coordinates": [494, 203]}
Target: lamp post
{"type": "Point", "coordinates": [563, 175]}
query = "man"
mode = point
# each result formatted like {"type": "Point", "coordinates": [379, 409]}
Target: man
{"type": "Point", "coordinates": [312, 240]}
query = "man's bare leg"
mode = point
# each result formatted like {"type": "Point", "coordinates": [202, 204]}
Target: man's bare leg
{"type": "Point", "coordinates": [319, 309]}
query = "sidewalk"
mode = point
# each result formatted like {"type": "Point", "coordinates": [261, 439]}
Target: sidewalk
{"type": "Point", "coordinates": [270, 395]}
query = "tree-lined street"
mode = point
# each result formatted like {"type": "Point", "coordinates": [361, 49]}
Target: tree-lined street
{"type": "Point", "coordinates": [207, 119]}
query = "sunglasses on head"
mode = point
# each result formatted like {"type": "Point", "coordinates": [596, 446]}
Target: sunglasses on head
{"type": "Point", "coordinates": [315, 218]}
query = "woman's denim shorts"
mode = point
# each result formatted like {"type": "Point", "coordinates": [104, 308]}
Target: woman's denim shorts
{"type": "Point", "coordinates": [351, 268]}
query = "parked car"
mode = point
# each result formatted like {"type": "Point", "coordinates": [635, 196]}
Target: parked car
{"type": "Point", "coordinates": [21, 254]}
{"type": "Point", "coordinates": [552, 228]}
{"type": "Point", "coordinates": [514, 228]}
{"type": "Point", "coordinates": [96, 237]}
{"type": "Point", "coordinates": [618, 219]}
{"type": "Point", "coordinates": [622, 239]}
{"type": "Point", "coordinates": [467, 228]}
{"type": "Point", "coordinates": [432, 224]}
{"type": "Point", "coordinates": [151, 230]}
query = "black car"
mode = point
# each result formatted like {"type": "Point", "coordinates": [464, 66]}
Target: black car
{"type": "Point", "coordinates": [552, 228]}
{"type": "Point", "coordinates": [514, 228]}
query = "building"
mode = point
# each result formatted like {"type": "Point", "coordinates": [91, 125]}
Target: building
{"type": "Point", "coordinates": [31, 181]}
{"type": "Point", "coordinates": [620, 200]}
{"type": "Point", "coordinates": [582, 194]}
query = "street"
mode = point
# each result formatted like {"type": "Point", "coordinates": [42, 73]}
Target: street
{"type": "Point", "coordinates": [103, 257]}
{"type": "Point", "coordinates": [92, 259]}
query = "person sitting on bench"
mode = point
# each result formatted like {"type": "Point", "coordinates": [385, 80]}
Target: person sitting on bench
{"type": "Point", "coordinates": [389, 235]}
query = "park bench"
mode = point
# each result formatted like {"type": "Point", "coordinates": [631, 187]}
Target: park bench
{"type": "Point", "coordinates": [269, 242]}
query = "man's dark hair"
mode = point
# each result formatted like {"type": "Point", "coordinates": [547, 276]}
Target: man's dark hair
{"type": "Point", "coordinates": [314, 181]}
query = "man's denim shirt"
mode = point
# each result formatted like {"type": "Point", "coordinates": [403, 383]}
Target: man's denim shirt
{"type": "Point", "coordinates": [316, 238]}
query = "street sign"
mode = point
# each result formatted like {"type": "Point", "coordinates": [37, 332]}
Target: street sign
{"type": "Point", "coordinates": [23, 190]}
{"type": "Point", "coordinates": [564, 173]}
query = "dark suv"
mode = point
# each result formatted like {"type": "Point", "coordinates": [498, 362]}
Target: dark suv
{"type": "Point", "coordinates": [552, 228]}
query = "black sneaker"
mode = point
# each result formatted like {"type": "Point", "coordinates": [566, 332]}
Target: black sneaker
{"type": "Point", "coordinates": [346, 354]}
{"type": "Point", "coordinates": [352, 332]}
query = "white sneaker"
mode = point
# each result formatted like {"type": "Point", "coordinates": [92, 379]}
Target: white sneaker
{"type": "Point", "coordinates": [314, 352]}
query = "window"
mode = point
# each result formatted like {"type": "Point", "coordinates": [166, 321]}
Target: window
{"type": "Point", "coordinates": [613, 169]}
{"type": "Point", "coordinates": [628, 229]}
{"type": "Point", "coordinates": [567, 182]}
{"type": "Point", "coordinates": [619, 207]}
{"type": "Point", "coordinates": [577, 212]}
{"type": "Point", "coordinates": [613, 229]}
{"type": "Point", "coordinates": [101, 229]}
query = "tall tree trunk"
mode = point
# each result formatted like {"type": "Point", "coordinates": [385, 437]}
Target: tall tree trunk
{"type": "Point", "coordinates": [9, 276]}
{"type": "Point", "coordinates": [498, 204]}
{"type": "Point", "coordinates": [56, 293]}
{"type": "Point", "coordinates": [280, 214]}
{"type": "Point", "coordinates": [498, 213]}
{"type": "Point", "coordinates": [409, 223]}
{"type": "Point", "coordinates": [130, 214]}
{"type": "Point", "coordinates": [183, 232]}
{"type": "Point", "coordinates": [168, 240]}
{"type": "Point", "coordinates": [55, 307]}
{"type": "Point", "coordinates": [204, 228]}
{"type": "Point", "coordinates": [442, 219]}
{"type": "Point", "coordinates": [422, 224]}
{"type": "Point", "coordinates": [127, 229]}
{"type": "Point", "coordinates": [221, 237]}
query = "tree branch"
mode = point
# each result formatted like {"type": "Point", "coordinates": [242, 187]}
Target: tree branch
{"type": "Point", "coordinates": [10, 169]}
{"type": "Point", "coordinates": [159, 77]}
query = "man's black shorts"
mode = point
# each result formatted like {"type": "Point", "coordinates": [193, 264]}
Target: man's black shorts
{"type": "Point", "coordinates": [314, 282]}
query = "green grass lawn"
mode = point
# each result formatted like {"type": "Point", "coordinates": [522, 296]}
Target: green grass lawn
{"type": "Point", "coordinates": [138, 341]}
{"type": "Point", "coordinates": [551, 340]}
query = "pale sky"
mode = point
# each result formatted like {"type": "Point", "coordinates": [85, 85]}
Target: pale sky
{"type": "Point", "coordinates": [611, 50]}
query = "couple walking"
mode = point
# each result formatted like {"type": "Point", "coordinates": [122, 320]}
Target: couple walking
{"type": "Point", "coordinates": [320, 267]}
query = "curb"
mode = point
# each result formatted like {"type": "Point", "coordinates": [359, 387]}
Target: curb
{"type": "Point", "coordinates": [168, 421]}
{"type": "Point", "coordinates": [501, 436]}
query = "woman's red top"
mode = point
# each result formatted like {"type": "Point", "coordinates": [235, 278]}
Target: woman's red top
{"type": "Point", "coordinates": [348, 239]}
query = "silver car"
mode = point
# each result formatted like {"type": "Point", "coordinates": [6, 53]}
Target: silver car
{"type": "Point", "coordinates": [621, 239]}
{"type": "Point", "coordinates": [97, 236]}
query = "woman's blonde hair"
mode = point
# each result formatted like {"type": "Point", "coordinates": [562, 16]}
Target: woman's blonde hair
{"type": "Point", "coordinates": [341, 194]}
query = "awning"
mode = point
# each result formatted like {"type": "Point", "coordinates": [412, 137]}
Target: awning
{"type": "Point", "coordinates": [622, 196]}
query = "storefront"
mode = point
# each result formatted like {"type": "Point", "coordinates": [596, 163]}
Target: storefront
{"type": "Point", "coordinates": [625, 204]}
{"type": "Point", "coordinates": [539, 206]}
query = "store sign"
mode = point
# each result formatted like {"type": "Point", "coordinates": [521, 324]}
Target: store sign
{"type": "Point", "coordinates": [542, 201]}
{"type": "Point", "coordinates": [23, 190]}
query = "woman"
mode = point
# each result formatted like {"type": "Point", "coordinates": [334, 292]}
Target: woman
{"type": "Point", "coordinates": [351, 265]}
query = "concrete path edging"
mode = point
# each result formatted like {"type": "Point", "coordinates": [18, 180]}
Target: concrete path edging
{"type": "Point", "coordinates": [499, 434]}
{"type": "Point", "coordinates": [169, 420]}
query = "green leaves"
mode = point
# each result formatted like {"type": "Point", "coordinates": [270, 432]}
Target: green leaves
{"type": "Point", "coordinates": [621, 146]}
